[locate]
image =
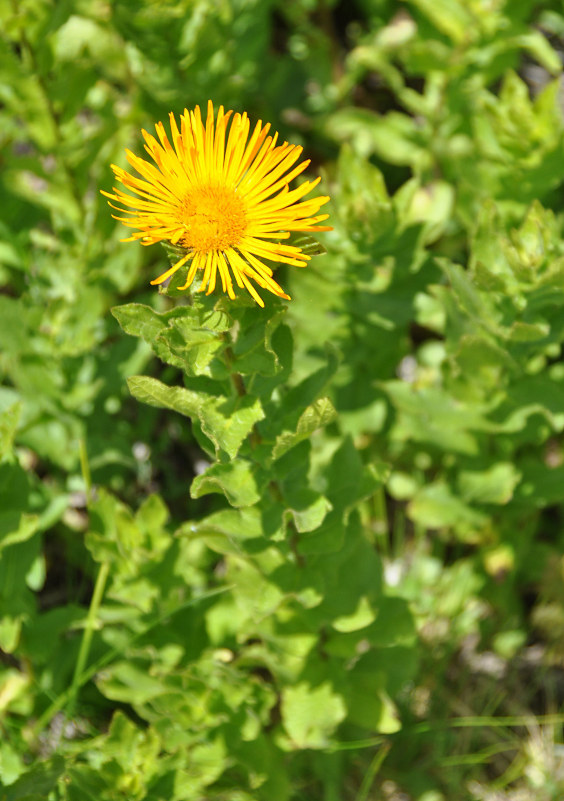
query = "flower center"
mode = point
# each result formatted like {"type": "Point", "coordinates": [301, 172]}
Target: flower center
{"type": "Point", "coordinates": [213, 217]}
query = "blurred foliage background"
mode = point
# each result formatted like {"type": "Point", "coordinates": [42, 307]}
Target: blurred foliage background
{"type": "Point", "coordinates": [160, 637]}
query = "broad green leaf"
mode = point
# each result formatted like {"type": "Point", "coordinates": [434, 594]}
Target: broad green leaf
{"type": "Point", "coordinates": [10, 631]}
{"type": "Point", "coordinates": [471, 301]}
{"type": "Point", "coordinates": [253, 350]}
{"type": "Point", "coordinates": [370, 706]}
{"type": "Point", "coordinates": [186, 336]}
{"type": "Point", "coordinates": [17, 523]}
{"type": "Point", "coordinates": [16, 528]}
{"type": "Point", "coordinates": [495, 485]}
{"type": "Point", "coordinates": [113, 535]}
{"type": "Point", "coordinates": [362, 616]}
{"type": "Point", "coordinates": [8, 424]}
{"type": "Point", "coordinates": [142, 321]}
{"type": "Point", "coordinates": [320, 413]}
{"type": "Point", "coordinates": [131, 746]}
{"type": "Point", "coordinates": [307, 509]}
{"type": "Point", "coordinates": [128, 682]}
{"type": "Point", "coordinates": [432, 205]}
{"type": "Point", "coordinates": [37, 783]}
{"type": "Point", "coordinates": [527, 332]}
{"type": "Point", "coordinates": [431, 415]}
{"type": "Point", "coordinates": [435, 506]}
{"type": "Point", "coordinates": [451, 17]}
{"type": "Point", "coordinates": [229, 531]}
{"type": "Point", "coordinates": [350, 482]}
{"type": "Point", "coordinates": [227, 422]}
{"type": "Point", "coordinates": [205, 764]}
{"type": "Point", "coordinates": [311, 714]}
{"type": "Point", "coordinates": [236, 480]}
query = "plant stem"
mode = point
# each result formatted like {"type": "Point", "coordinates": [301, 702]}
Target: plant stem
{"type": "Point", "coordinates": [236, 378]}
{"type": "Point", "coordinates": [97, 596]}
{"type": "Point", "coordinates": [370, 775]}
{"type": "Point", "coordinates": [85, 469]}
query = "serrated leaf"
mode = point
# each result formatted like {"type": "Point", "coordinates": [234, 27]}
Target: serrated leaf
{"type": "Point", "coordinates": [142, 321]}
{"type": "Point", "coordinates": [468, 296]}
{"type": "Point", "coordinates": [236, 480]}
{"type": "Point", "coordinates": [487, 280]}
{"type": "Point", "coordinates": [320, 413]}
{"type": "Point", "coordinates": [187, 337]}
{"type": "Point", "coordinates": [227, 422]}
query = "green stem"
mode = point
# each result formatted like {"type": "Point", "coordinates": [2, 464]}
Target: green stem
{"type": "Point", "coordinates": [241, 390]}
{"type": "Point", "coordinates": [85, 469]}
{"type": "Point", "coordinates": [236, 378]}
{"type": "Point", "coordinates": [370, 774]}
{"type": "Point", "coordinates": [380, 522]}
{"type": "Point", "coordinates": [97, 596]}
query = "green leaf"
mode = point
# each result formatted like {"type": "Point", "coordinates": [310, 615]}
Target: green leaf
{"type": "Point", "coordinates": [227, 422]}
{"type": "Point", "coordinates": [229, 531]}
{"type": "Point", "coordinates": [362, 616]}
{"type": "Point", "coordinates": [113, 535]}
{"type": "Point", "coordinates": [349, 483]}
{"type": "Point", "coordinates": [16, 528]}
{"type": "Point", "coordinates": [37, 783]}
{"type": "Point", "coordinates": [370, 706]}
{"type": "Point", "coordinates": [536, 43]}
{"type": "Point", "coordinates": [129, 683]}
{"type": "Point", "coordinates": [435, 506]}
{"type": "Point", "coordinates": [307, 509]}
{"type": "Point", "coordinates": [17, 524]}
{"type": "Point", "coordinates": [236, 480]}
{"type": "Point", "coordinates": [471, 301]}
{"type": "Point", "coordinates": [528, 332]}
{"type": "Point", "coordinates": [432, 415]}
{"type": "Point", "coordinates": [253, 350]}
{"type": "Point", "coordinates": [311, 714]}
{"type": "Point", "coordinates": [8, 424]}
{"type": "Point", "coordinates": [187, 337]}
{"type": "Point", "coordinates": [451, 17]}
{"type": "Point", "coordinates": [320, 413]}
{"type": "Point", "coordinates": [495, 485]}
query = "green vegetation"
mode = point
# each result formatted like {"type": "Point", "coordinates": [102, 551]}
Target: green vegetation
{"type": "Point", "coordinates": [312, 552]}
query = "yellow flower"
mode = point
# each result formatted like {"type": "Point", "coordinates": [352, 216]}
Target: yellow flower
{"type": "Point", "coordinates": [222, 197]}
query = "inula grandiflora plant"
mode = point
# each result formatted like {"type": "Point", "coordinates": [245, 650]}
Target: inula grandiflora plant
{"type": "Point", "coordinates": [281, 476]}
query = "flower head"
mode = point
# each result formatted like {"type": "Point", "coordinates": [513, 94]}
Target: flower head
{"type": "Point", "coordinates": [222, 197]}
